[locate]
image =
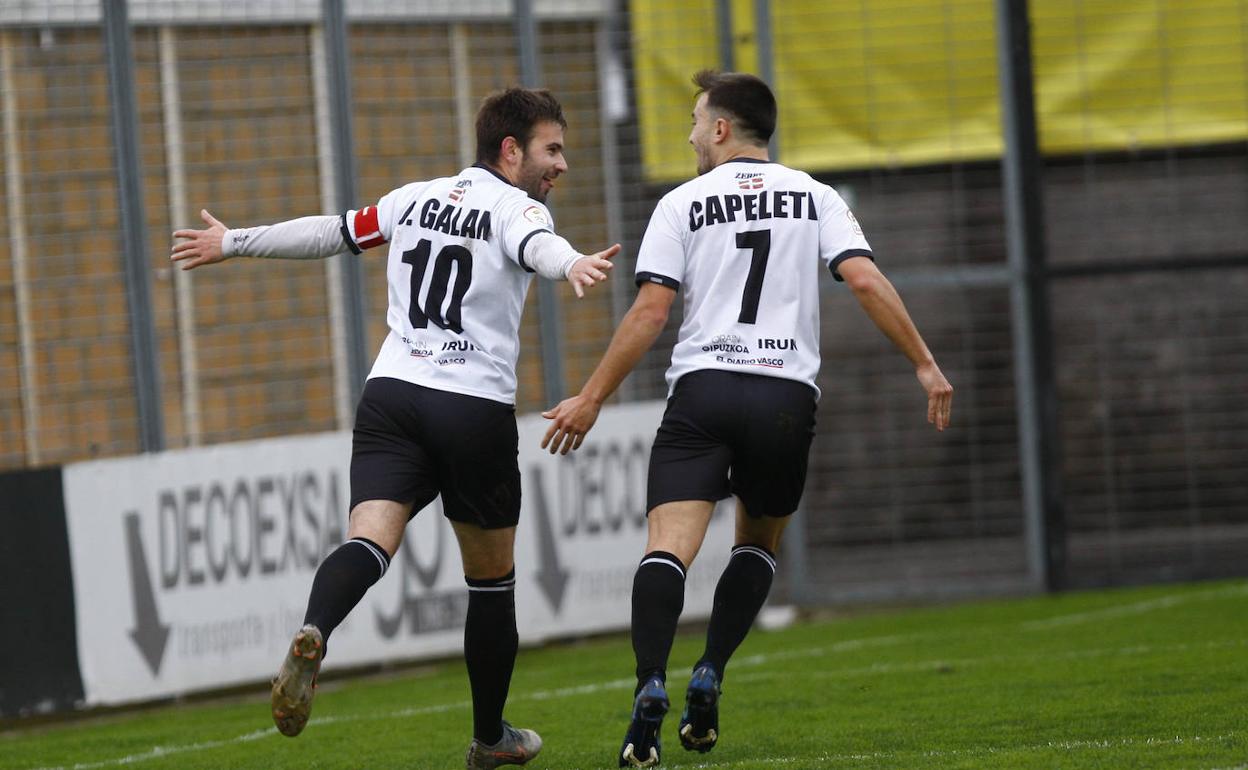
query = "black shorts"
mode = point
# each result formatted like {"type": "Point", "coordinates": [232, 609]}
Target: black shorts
{"type": "Point", "coordinates": [730, 433]}
{"type": "Point", "coordinates": [413, 443]}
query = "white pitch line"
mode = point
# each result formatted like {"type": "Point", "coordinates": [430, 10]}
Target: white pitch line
{"type": "Point", "coordinates": [1135, 608]}
{"type": "Point", "coordinates": [901, 756]}
{"type": "Point", "coordinates": [158, 752]}
{"type": "Point", "coordinates": [944, 663]}
{"type": "Point", "coordinates": [1172, 600]}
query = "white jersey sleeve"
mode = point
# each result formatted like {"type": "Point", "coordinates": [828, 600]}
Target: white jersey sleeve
{"type": "Point", "coordinates": [840, 235]}
{"type": "Point", "coordinates": [661, 258]}
{"type": "Point", "coordinates": [519, 219]}
{"type": "Point", "coordinates": [374, 225]}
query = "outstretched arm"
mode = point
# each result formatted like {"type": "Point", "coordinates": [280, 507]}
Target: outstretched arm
{"type": "Point", "coordinates": [883, 305]}
{"type": "Point", "coordinates": [641, 326]}
{"type": "Point", "coordinates": [551, 256]}
{"type": "Point", "coordinates": [303, 238]}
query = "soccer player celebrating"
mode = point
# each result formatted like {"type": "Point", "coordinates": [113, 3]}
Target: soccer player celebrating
{"type": "Point", "coordinates": [743, 241]}
{"type": "Point", "coordinates": [437, 415]}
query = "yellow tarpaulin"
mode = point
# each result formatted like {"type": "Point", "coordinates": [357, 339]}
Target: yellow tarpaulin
{"type": "Point", "coordinates": [875, 83]}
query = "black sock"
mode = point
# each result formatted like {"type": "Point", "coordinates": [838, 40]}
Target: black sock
{"type": "Point", "coordinates": [740, 594]}
{"type": "Point", "coordinates": [658, 598]}
{"type": "Point", "coordinates": [490, 642]}
{"type": "Point", "coordinates": [341, 581]}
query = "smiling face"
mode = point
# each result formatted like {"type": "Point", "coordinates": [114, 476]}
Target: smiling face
{"type": "Point", "coordinates": [542, 161]}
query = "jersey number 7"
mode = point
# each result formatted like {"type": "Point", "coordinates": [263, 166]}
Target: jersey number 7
{"type": "Point", "coordinates": [450, 254]}
{"type": "Point", "coordinates": [759, 244]}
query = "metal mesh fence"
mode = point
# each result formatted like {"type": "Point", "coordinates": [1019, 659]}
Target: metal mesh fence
{"type": "Point", "coordinates": [1143, 123]}
{"type": "Point", "coordinates": [70, 328]}
{"type": "Point", "coordinates": [1146, 238]}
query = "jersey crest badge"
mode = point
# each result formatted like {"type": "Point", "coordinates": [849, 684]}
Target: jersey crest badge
{"type": "Point", "coordinates": [459, 190]}
{"type": "Point", "coordinates": [537, 216]}
{"type": "Point", "coordinates": [750, 181]}
{"type": "Point", "coordinates": [853, 222]}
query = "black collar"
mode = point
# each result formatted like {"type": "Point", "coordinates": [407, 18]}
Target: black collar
{"type": "Point", "coordinates": [484, 167]}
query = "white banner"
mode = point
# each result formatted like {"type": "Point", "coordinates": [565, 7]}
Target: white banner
{"type": "Point", "coordinates": [192, 568]}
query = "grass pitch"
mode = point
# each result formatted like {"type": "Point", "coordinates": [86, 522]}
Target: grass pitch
{"type": "Point", "coordinates": [1141, 678]}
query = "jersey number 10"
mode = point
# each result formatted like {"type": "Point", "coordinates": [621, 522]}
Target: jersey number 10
{"type": "Point", "coordinates": [418, 258]}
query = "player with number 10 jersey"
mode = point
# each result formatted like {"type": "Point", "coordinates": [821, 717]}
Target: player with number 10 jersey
{"type": "Point", "coordinates": [457, 279]}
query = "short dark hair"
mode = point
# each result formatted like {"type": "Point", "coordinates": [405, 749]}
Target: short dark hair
{"type": "Point", "coordinates": [745, 97]}
{"type": "Point", "coordinates": [514, 112]}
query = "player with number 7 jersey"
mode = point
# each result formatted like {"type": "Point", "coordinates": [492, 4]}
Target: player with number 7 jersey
{"type": "Point", "coordinates": [745, 242]}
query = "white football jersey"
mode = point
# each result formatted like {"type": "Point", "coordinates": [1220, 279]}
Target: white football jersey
{"type": "Point", "coordinates": [457, 279]}
{"type": "Point", "coordinates": [745, 243]}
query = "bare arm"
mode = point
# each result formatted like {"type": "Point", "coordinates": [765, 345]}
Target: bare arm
{"type": "Point", "coordinates": [884, 307]}
{"type": "Point", "coordinates": [641, 326]}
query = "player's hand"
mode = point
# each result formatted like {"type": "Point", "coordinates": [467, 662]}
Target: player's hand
{"type": "Point", "coordinates": [587, 271]}
{"type": "Point", "coordinates": [572, 419]}
{"type": "Point", "coordinates": [201, 247]}
{"type": "Point", "coordinates": [939, 394]}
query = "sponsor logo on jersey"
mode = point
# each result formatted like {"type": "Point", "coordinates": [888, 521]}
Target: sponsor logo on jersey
{"type": "Point", "coordinates": [853, 222]}
{"type": "Point", "coordinates": [777, 343]}
{"type": "Point", "coordinates": [770, 363]}
{"type": "Point", "coordinates": [417, 349]}
{"type": "Point", "coordinates": [726, 343]}
{"type": "Point", "coordinates": [750, 181]}
{"type": "Point", "coordinates": [459, 190]}
{"type": "Point", "coordinates": [537, 215]}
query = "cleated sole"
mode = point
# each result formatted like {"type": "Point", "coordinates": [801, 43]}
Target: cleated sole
{"type": "Point", "coordinates": [699, 724]}
{"type": "Point", "coordinates": [634, 761]}
{"type": "Point", "coordinates": [648, 712]}
{"type": "Point", "coordinates": [295, 683]}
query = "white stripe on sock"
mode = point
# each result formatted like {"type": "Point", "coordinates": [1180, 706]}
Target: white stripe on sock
{"type": "Point", "coordinates": [661, 560]}
{"type": "Point", "coordinates": [758, 552]}
{"type": "Point", "coordinates": [382, 561]}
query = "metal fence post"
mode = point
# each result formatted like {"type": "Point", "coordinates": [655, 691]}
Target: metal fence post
{"type": "Point", "coordinates": [610, 84]}
{"type": "Point", "coordinates": [766, 59]}
{"type": "Point", "coordinates": [723, 29]}
{"type": "Point", "coordinates": [1035, 393]}
{"type": "Point", "coordinates": [183, 281]}
{"type": "Point", "coordinates": [351, 271]}
{"type": "Point", "coordinates": [547, 299]}
{"type": "Point", "coordinates": [125, 126]}
{"type": "Point", "coordinates": [18, 252]}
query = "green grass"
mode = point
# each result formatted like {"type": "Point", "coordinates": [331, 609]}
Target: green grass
{"type": "Point", "coordinates": [1140, 678]}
